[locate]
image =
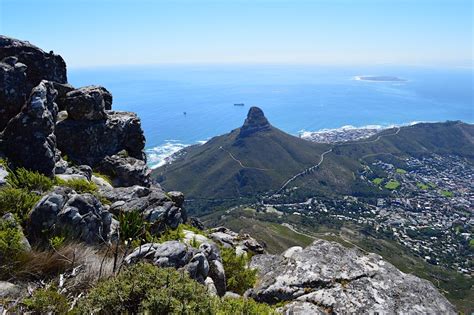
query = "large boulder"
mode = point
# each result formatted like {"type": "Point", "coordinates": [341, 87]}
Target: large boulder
{"type": "Point", "coordinates": [125, 171]}
{"type": "Point", "coordinates": [155, 206]}
{"type": "Point", "coordinates": [40, 65]}
{"type": "Point", "coordinates": [242, 243]}
{"type": "Point", "coordinates": [28, 139]}
{"type": "Point", "coordinates": [13, 90]}
{"type": "Point", "coordinates": [78, 216]}
{"type": "Point", "coordinates": [88, 103]}
{"type": "Point", "coordinates": [89, 142]}
{"type": "Point", "coordinates": [326, 276]}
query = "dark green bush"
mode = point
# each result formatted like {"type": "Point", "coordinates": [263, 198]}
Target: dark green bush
{"type": "Point", "coordinates": [22, 178]}
{"type": "Point", "coordinates": [17, 201]}
{"type": "Point", "coordinates": [239, 278]}
{"type": "Point", "coordinates": [46, 301]}
{"type": "Point", "coordinates": [147, 288]}
{"type": "Point", "coordinates": [81, 186]}
{"type": "Point", "coordinates": [11, 247]}
{"type": "Point", "coordinates": [172, 235]}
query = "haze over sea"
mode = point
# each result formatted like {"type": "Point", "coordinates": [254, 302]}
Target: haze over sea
{"type": "Point", "coordinates": [294, 98]}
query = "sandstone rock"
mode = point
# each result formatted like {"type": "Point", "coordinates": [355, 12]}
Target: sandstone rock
{"type": "Point", "coordinates": [168, 254]}
{"type": "Point", "coordinates": [342, 280]}
{"type": "Point", "coordinates": [63, 89]}
{"type": "Point", "coordinates": [301, 308]}
{"type": "Point", "coordinates": [3, 175]}
{"type": "Point", "coordinates": [211, 288]}
{"type": "Point", "coordinates": [101, 183]}
{"type": "Point", "coordinates": [13, 89]}
{"type": "Point", "coordinates": [88, 103]}
{"type": "Point", "coordinates": [152, 202]}
{"type": "Point", "coordinates": [78, 216]}
{"type": "Point", "coordinates": [28, 138]}
{"type": "Point", "coordinates": [83, 217]}
{"type": "Point", "coordinates": [231, 295]}
{"type": "Point", "coordinates": [198, 267]}
{"type": "Point", "coordinates": [177, 197]}
{"type": "Point", "coordinates": [125, 171]}
{"type": "Point", "coordinates": [195, 222]}
{"type": "Point", "coordinates": [89, 142]}
{"type": "Point", "coordinates": [255, 122]}
{"type": "Point", "coordinates": [10, 290]}
{"type": "Point", "coordinates": [40, 65]}
{"type": "Point", "coordinates": [243, 243]}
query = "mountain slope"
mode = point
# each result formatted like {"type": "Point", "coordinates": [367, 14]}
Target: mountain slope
{"type": "Point", "coordinates": [259, 158]}
{"type": "Point", "coordinates": [253, 159]}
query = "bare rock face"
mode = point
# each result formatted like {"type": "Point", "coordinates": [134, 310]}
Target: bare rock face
{"type": "Point", "coordinates": [152, 203]}
{"type": "Point", "coordinates": [255, 122]}
{"type": "Point", "coordinates": [242, 243]}
{"type": "Point", "coordinates": [40, 65]}
{"type": "Point", "coordinates": [125, 171]}
{"type": "Point", "coordinates": [28, 139]}
{"type": "Point", "coordinates": [78, 216]}
{"type": "Point", "coordinates": [88, 103]}
{"type": "Point", "coordinates": [90, 141]}
{"type": "Point", "coordinates": [13, 90]}
{"type": "Point", "coordinates": [327, 277]}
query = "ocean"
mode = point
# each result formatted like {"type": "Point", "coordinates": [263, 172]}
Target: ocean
{"type": "Point", "coordinates": [294, 98]}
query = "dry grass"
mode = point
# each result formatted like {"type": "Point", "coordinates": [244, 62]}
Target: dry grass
{"type": "Point", "coordinates": [77, 266]}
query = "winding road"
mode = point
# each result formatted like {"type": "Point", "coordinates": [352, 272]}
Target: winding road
{"type": "Point", "coordinates": [322, 159]}
{"type": "Point", "coordinates": [241, 164]}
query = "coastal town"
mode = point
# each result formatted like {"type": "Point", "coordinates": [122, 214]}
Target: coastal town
{"type": "Point", "coordinates": [429, 209]}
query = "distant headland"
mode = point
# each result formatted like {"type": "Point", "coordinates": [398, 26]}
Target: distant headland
{"type": "Point", "coordinates": [379, 78]}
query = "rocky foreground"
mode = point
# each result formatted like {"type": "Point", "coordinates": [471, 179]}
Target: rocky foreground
{"type": "Point", "coordinates": [79, 170]}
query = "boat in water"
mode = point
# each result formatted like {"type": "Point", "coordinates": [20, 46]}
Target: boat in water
{"type": "Point", "coordinates": [239, 104]}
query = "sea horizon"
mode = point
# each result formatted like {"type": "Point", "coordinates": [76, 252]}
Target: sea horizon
{"type": "Point", "coordinates": [182, 105]}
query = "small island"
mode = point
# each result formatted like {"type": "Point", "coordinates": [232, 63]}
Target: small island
{"type": "Point", "coordinates": [381, 78]}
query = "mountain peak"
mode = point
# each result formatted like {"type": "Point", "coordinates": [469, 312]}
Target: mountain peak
{"type": "Point", "coordinates": [255, 122]}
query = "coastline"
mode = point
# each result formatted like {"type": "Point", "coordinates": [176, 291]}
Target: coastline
{"type": "Point", "coordinates": [163, 154]}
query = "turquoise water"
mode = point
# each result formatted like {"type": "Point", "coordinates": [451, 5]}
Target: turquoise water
{"type": "Point", "coordinates": [294, 98]}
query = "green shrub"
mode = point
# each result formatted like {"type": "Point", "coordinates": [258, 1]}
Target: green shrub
{"type": "Point", "coordinates": [239, 278]}
{"type": "Point", "coordinates": [17, 201]}
{"type": "Point", "coordinates": [104, 177]}
{"type": "Point", "coordinates": [133, 228]}
{"type": "Point", "coordinates": [11, 247]}
{"type": "Point", "coordinates": [22, 178]}
{"type": "Point", "coordinates": [144, 288]}
{"type": "Point", "coordinates": [193, 229]}
{"type": "Point", "coordinates": [57, 241]}
{"type": "Point", "coordinates": [79, 185]}
{"type": "Point", "coordinates": [47, 301]}
{"type": "Point", "coordinates": [172, 235]}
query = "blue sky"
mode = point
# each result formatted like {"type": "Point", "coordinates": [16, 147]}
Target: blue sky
{"type": "Point", "coordinates": [337, 32]}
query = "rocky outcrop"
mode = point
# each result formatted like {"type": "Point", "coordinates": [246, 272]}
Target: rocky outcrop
{"type": "Point", "coordinates": [125, 171]}
{"type": "Point", "coordinates": [28, 139]}
{"type": "Point", "coordinates": [77, 216]}
{"type": "Point", "coordinates": [88, 103]}
{"type": "Point", "coordinates": [243, 243]}
{"type": "Point", "coordinates": [161, 209]}
{"type": "Point", "coordinates": [13, 90]}
{"type": "Point", "coordinates": [327, 277]}
{"type": "Point", "coordinates": [40, 65]}
{"type": "Point", "coordinates": [204, 264]}
{"type": "Point", "coordinates": [89, 142]}
{"type": "Point", "coordinates": [255, 122]}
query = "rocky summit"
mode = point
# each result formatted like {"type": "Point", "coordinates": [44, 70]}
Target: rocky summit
{"type": "Point", "coordinates": [79, 214]}
{"type": "Point", "coordinates": [255, 122]}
